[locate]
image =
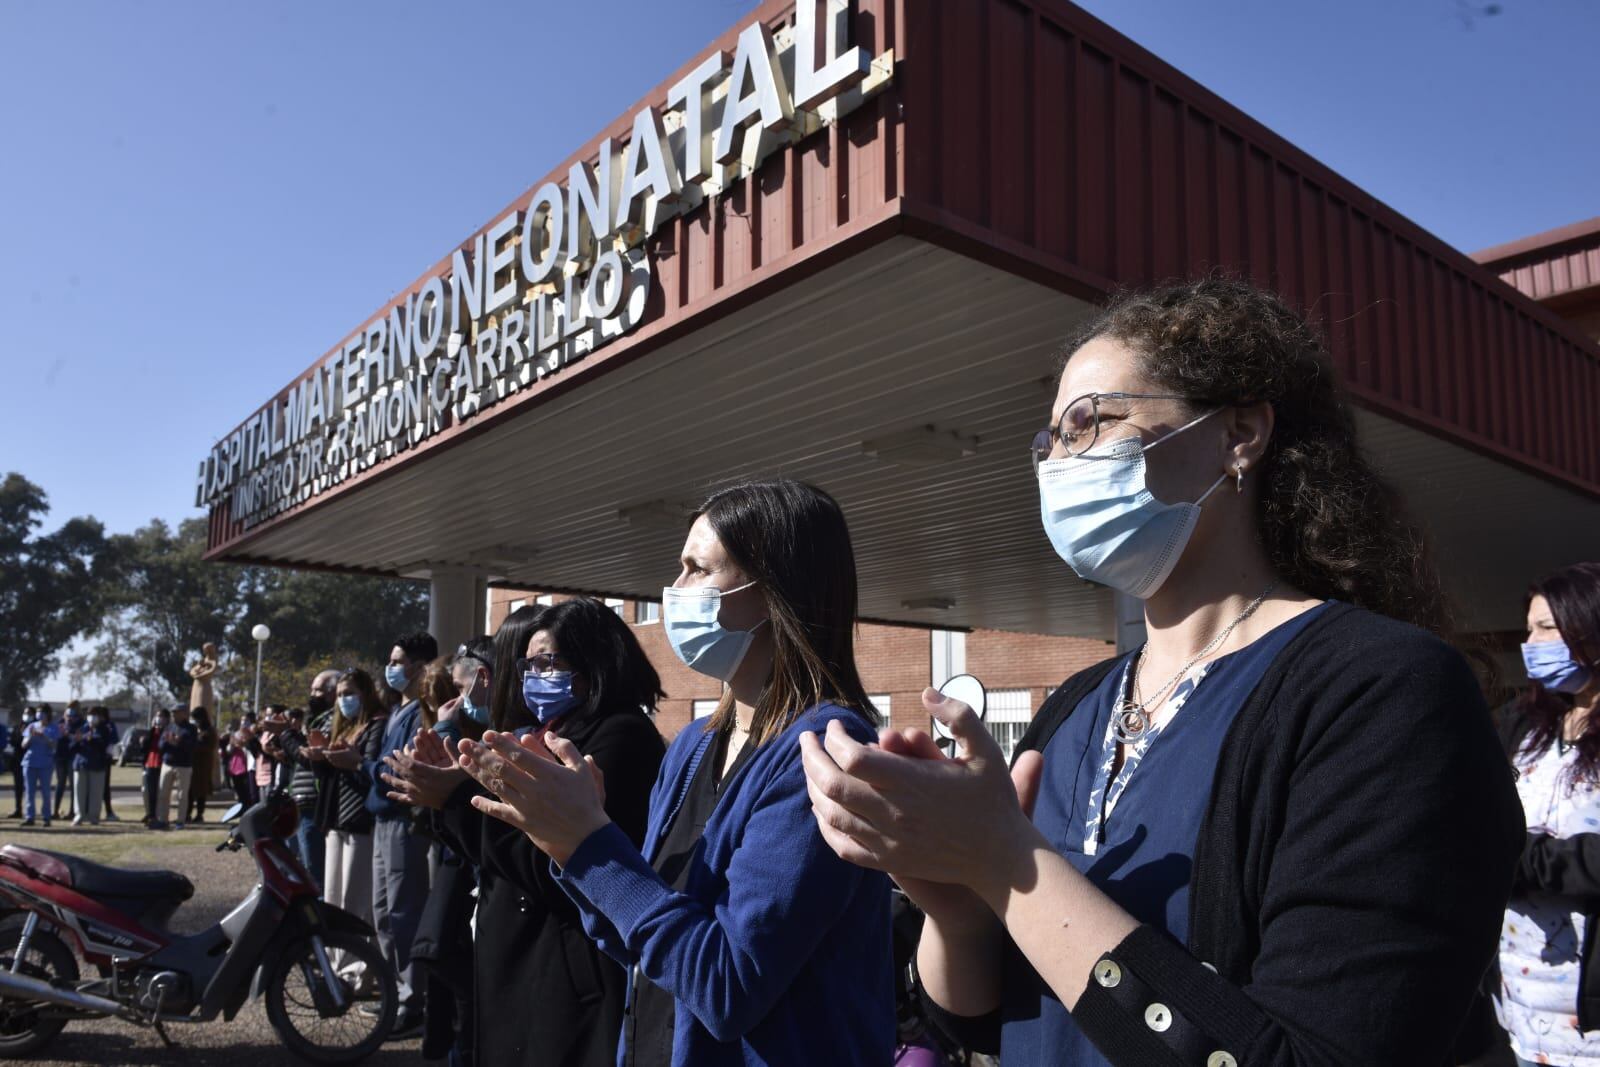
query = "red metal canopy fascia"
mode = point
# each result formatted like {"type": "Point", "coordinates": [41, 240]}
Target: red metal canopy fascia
{"type": "Point", "coordinates": [1032, 136]}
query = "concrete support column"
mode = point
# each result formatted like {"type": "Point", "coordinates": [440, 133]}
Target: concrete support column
{"type": "Point", "coordinates": [456, 605]}
{"type": "Point", "coordinates": [1130, 621]}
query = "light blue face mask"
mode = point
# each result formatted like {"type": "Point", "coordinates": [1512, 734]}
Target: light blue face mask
{"type": "Point", "coordinates": [1104, 523]}
{"type": "Point", "coordinates": [478, 713]}
{"type": "Point", "coordinates": [396, 677]}
{"type": "Point", "coordinates": [350, 706]}
{"type": "Point", "coordinates": [1552, 665]}
{"type": "Point", "coordinates": [690, 618]}
{"type": "Point", "coordinates": [548, 696]}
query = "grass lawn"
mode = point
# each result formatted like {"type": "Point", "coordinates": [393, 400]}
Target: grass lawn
{"type": "Point", "coordinates": [124, 844]}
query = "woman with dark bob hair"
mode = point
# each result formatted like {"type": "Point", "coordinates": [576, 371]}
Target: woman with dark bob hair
{"type": "Point", "coordinates": [1549, 991]}
{"type": "Point", "coordinates": [1281, 831]}
{"type": "Point", "coordinates": [747, 940]}
{"type": "Point", "coordinates": [544, 993]}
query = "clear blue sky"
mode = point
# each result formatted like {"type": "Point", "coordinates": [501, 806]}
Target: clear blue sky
{"type": "Point", "coordinates": [197, 199]}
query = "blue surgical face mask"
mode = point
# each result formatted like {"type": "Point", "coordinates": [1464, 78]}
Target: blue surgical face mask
{"type": "Point", "coordinates": [690, 618]}
{"type": "Point", "coordinates": [1103, 522]}
{"type": "Point", "coordinates": [396, 677]}
{"type": "Point", "coordinates": [350, 706]}
{"type": "Point", "coordinates": [478, 713]}
{"type": "Point", "coordinates": [1552, 665]}
{"type": "Point", "coordinates": [548, 696]}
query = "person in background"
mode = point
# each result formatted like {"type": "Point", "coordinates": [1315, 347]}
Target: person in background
{"type": "Point", "coordinates": [71, 723]}
{"type": "Point", "coordinates": [399, 855]}
{"type": "Point", "coordinates": [15, 762]}
{"type": "Point", "coordinates": [150, 764]}
{"type": "Point", "coordinates": [482, 978]}
{"type": "Point", "coordinates": [442, 950]}
{"type": "Point", "coordinates": [116, 736]}
{"type": "Point", "coordinates": [748, 941]}
{"type": "Point", "coordinates": [438, 690]}
{"type": "Point", "coordinates": [303, 778]}
{"type": "Point", "coordinates": [204, 776]}
{"type": "Point", "coordinates": [236, 758]}
{"type": "Point", "coordinates": [340, 761]}
{"type": "Point", "coordinates": [5, 755]}
{"type": "Point", "coordinates": [1548, 995]}
{"type": "Point", "coordinates": [266, 769]}
{"type": "Point", "coordinates": [90, 746]}
{"type": "Point", "coordinates": [177, 766]}
{"type": "Point", "coordinates": [40, 739]}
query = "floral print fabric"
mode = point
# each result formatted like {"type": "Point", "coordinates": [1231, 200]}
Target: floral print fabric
{"type": "Point", "coordinates": [1541, 940]}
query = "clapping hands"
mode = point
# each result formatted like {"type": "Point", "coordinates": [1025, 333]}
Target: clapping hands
{"type": "Point", "coordinates": [546, 788]}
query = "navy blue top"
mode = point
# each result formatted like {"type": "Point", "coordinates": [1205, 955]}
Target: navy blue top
{"type": "Point", "coordinates": [1146, 853]}
{"type": "Point", "coordinates": [91, 752]}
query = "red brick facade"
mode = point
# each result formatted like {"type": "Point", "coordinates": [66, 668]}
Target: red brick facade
{"type": "Point", "coordinates": [895, 661]}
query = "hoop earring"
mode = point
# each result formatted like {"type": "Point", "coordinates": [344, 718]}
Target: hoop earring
{"type": "Point", "coordinates": [1238, 479]}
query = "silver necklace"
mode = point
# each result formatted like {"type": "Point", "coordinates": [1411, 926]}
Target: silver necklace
{"type": "Point", "coordinates": [1132, 721]}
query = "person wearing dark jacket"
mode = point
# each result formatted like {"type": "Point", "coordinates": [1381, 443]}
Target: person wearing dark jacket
{"type": "Point", "coordinates": [90, 747]}
{"type": "Point", "coordinates": [399, 856]}
{"type": "Point", "coordinates": [585, 678]}
{"type": "Point", "coordinates": [342, 787]}
{"type": "Point", "coordinates": [71, 723]}
{"type": "Point", "coordinates": [150, 767]}
{"type": "Point", "coordinates": [1281, 831]}
{"type": "Point", "coordinates": [177, 747]}
{"type": "Point", "coordinates": [1547, 995]}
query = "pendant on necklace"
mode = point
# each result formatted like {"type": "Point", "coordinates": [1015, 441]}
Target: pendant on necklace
{"type": "Point", "coordinates": [1130, 723]}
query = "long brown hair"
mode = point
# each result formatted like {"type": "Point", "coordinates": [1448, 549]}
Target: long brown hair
{"type": "Point", "coordinates": [1573, 594]}
{"type": "Point", "coordinates": [1329, 523]}
{"type": "Point", "coordinates": [437, 688]}
{"type": "Point", "coordinates": [791, 538]}
{"type": "Point", "coordinates": [347, 730]}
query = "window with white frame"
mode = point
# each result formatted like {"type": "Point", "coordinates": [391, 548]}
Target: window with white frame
{"type": "Point", "coordinates": [882, 702]}
{"type": "Point", "coordinates": [646, 611]}
{"type": "Point", "coordinates": [1007, 715]}
{"type": "Point", "coordinates": [702, 708]}
{"type": "Point", "coordinates": [544, 600]}
{"type": "Point", "coordinates": [516, 605]}
{"type": "Point", "coordinates": [615, 605]}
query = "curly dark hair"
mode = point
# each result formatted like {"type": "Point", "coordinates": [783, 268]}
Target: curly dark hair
{"type": "Point", "coordinates": [1330, 524]}
{"type": "Point", "coordinates": [1573, 594]}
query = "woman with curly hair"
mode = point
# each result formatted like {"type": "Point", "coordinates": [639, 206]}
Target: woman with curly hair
{"type": "Point", "coordinates": [1281, 831]}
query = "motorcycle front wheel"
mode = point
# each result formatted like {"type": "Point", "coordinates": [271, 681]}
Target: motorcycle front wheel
{"type": "Point", "coordinates": [331, 997]}
{"type": "Point", "coordinates": [26, 1025]}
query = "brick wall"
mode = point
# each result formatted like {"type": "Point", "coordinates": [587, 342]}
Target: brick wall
{"type": "Point", "coordinates": [895, 661]}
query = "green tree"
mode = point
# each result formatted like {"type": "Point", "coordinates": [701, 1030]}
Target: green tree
{"type": "Point", "coordinates": [52, 586]}
{"type": "Point", "coordinates": [173, 601]}
{"type": "Point", "coordinates": [170, 602]}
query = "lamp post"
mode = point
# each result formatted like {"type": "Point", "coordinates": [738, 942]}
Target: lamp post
{"type": "Point", "coordinates": [260, 633]}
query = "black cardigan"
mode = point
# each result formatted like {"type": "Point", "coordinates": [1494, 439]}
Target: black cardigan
{"type": "Point", "coordinates": [1350, 874]}
{"type": "Point", "coordinates": [545, 994]}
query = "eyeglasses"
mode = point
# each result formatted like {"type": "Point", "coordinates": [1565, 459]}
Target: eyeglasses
{"type": "Point", "coordinates": [540, 663]}
{"type": "Point", "coordinates": [1079, 426]}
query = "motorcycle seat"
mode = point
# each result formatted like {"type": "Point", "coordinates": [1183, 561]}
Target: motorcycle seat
{"type": "Point", "coordinates": [96, 880]}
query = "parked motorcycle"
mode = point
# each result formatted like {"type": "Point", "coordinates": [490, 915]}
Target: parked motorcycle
{"type": "Point", "coordinates": [330, 996]}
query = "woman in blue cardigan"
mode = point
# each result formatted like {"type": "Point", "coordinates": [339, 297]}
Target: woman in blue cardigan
{"type": "Point", "coordinates": [748, 941]}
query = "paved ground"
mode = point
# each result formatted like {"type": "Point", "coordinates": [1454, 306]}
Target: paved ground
{"type": "Point", "coordinates": [221, 881]}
